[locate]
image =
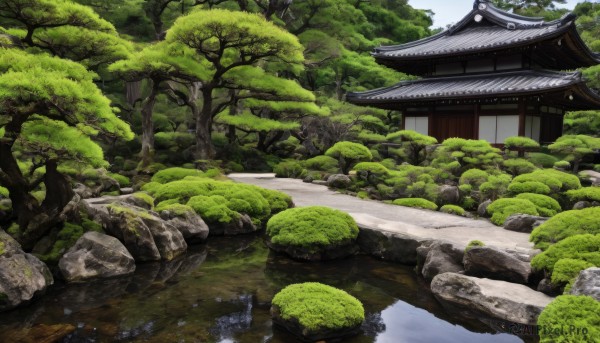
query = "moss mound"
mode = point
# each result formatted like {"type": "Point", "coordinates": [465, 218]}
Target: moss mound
{"type": "Point", "coordinates": [545, 205]}
{"type": "Point", "coordinates": [584, 194]}
{"type": "Point", "coordinates": [174, 174]}
{"type": "Point", "coordinates": [566, 311]}
{"type": "Point", "coordinates": [453, 209]}
{"type": "Point", "coordinates": [579, 247]}
{"type": "Point", "coordinates": [566, 271]}
{"type": "Point", "coordinates": [503, 208]}
{"type": "Point", "coordinates": [312, 233]}
{"type": "Point", "coordinates": [416, 202]}
{"type": "Point", "coordinates": [316, 311]}
{"type": "Point", "coordinates": [566, 224]}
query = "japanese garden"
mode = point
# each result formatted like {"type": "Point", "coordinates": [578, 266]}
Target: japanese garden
{"type": "Point", "coordinates": [299, 171]}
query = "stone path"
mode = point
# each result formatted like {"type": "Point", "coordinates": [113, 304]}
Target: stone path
{"type": "Point", "coordinates": [424, 224]}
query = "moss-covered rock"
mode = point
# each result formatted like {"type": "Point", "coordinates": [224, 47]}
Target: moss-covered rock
{"type": "Point", "coordinates": [316, 312]}
{"type": "Point", "coordinates": [416, 202]}
{"type": "Point", "coordinates": [529, 187]}
{"type": "Point", "coordinates": [505, 207]}
{"type": "Point", "coordinates": [474, 243]}
{"type": "Point", "coordinates": [570, 318]}
{"type": "Point", "coordinates": [580, 247]}
{"type": "Point", "coordinates": [566, 271]}
{"type": "Point", "coordinates": [174, 174]}
{"type": "Point", "coordinates": [453, 209]}
{"type": "Point", "coordinates": [313, 233]}
{"type": "Point", "coordinates": [545, 205]}
{"type": "Point", "coordinates": [566, 224]}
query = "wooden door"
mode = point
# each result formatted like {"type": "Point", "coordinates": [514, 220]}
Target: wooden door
{"type": "Point", "coordinates": [453, 125]}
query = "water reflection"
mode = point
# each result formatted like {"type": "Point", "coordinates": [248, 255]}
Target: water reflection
{"type": "Point", "coordinates": [221, 292]}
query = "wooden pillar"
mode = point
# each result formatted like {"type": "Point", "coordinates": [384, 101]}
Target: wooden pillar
{"type": "Point", "coordinates": [522, 111]}
{"type": "Point", "coordinates": [476, 114]}
{"type": "Point", "coordinates": [430, 125]}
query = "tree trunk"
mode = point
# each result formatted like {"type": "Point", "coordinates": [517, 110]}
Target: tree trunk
{"type": "Point", "coordinates": [204, 146]}
{"type": "Point", "coordinates": [147, 153]}
{"type": "Point", "coordinates": [133, 91]}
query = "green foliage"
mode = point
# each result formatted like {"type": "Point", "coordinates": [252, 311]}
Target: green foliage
{"type": "Point", "coordinates": [503, 208]}
{"type": "Point", "coordinates": [151, 187]}
{"type": "Point", "coordinates": [575, 147]}
{"type": "Point", "coordinates": [145, 198]}
{"type": "Point", "coordinates": [518, 166]}
{"type": "Point", "coordinates": [416, 202]}
{"type": "Point", "coordinates": [562, 165]}
{"type": "Point", "coordinates": [121, 179]}
{"type": "Point", "coordinates": [474, 243]}
{"type": "Point", "coordinates": [545, 205]}
{"type": "Point", "coordinates": [349, 153]}
{"type": "Point", "coordinates": [317, 307]}
{"type": "Point", "coordinates": [3, 192]}
{"type": "Point", "coordinates": [566, 224]}
{"type": "Point", "coordinates": [469, 154]}
{"type": "Point", "coordinates": [213, 209]}
{"type": "Point", "coordinates": [290, 169]}
{"type": "Point", "coordinates": [175, 174]}
{"type": "Point", "coordinates": [322, 163]}
{"type": "Point", "coordinates": [313, 228]}
{"type": "Point", "coordinates": [566, 271]}
{"type": "Point", "coordinates": [580, 247]}
{"type": "Point", "coordinates": [413, 145]}
{"type": "Point", "coordinates": [557, 181]}
{"type": "Point", "coordinates": [372, 168]}
{"type": "Point", "coordinates": [453, 209]}
{"type": "Point", "coordinates": [182, 190]}
{"type": "Point", "coordinates": [495, 187]}
{"type": "Point", "coordinates": [528, 187]}
{"type": "Point", "coordinates": [65, 239]}
{"type": "Point", "coordinates": [474, 178]}
{"type": "Point", "coordinates": [520, 143]}
{"type": "Point", "coordinates": [566, 311]}
{"type": "Point", "coordinates": [584, 194]}
{"type": "Point", "coordinates": [542, 160]}
{"type": "Point", "coordinates": [167, 140]}
{"type": "Point", "coordinates": [584, 122]}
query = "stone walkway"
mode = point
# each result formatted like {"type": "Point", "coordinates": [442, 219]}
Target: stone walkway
{"type": "Point", "coordinates": [419, 223]}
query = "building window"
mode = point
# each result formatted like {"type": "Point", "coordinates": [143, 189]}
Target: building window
{"type": "Point", "coordinates": [419, 124]}
{"type": "Point", "coordinates": [495, 129]}
{"type": "Point", "coordinates": [532, 127]}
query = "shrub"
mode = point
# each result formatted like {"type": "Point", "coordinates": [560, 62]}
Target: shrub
{"type": "Point", "coordinates": [575, 147]}
{"type": "Point", "coordinates": [121, 179]}
{"type": "Point", "coordinates": [468, 203]}
{"type": "Point", "coordinates": [291, 169]}
{"type": "Point", "coordinates": [416, 202]}
{"type": "Point", "coordinates": [322, 163]}
{"type": "Point", "coordinates": [584, 194]}
{"type": "Point", "coordinates": [166, 140]}
{"type": "Point", "coordinates": [566, 271]}
{"type": "Point", "coordinates": [545, 205]}
{"type": "Point", "coordinates": [317, 307]}
{"type": "Point", "coordinates": [212, 209]}
{"type": "Point", "coordinates": [520, 143]}
{"type": "Point", "coordinates": [552, 185]}
{"type": "Point", "coordinates": [413, 145]}
{"type": "Point", "coordinates": [569, 181]}
{"type": "Point", "coordinates": [562, 165]}
{"type": "Point", "coordinates": [349, 153]}
{"type": "Point", "coordinates": [570, 311]}
{"type": "Point", "coordinates": [473, 244]}
{"type": "Point", "coordinates": [566, 224]}
{"type": "Point", "coordinates": [580, 247]}
{"type": "Point", "coordinates": [474, 178]}
{"type": "Point", "coordinates": [453, 209]}
{"type": "Point", "coordinates": [471, 153]}
{"type": "Point", "coordinates": [542, 160]}
{"type": "Point", "coordinates": [175, 174]}
{"type": "Point", "coordinates": [505, 207]}
{"type": "Point", "coordinates": [528, 187]}
{"type": "Point", "coordinates": [518, 166]}
{"type": "Point", "coordinates": [313, 228]}
{"type": "Point", "coordinates": [495, 187]}
{"type": "Point", "coordinates": [372, 168]}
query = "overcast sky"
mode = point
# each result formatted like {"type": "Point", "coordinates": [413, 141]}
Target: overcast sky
{"type": "Point", "coordinates": [451, 11]}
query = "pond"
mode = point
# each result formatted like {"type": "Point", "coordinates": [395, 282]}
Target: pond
{"type": "Point", "coordinates": [221, 292]}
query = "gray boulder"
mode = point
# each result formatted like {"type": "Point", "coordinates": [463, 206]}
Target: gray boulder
{"type": "Point", "coordinates": [440, 257]}
{"type": "Point", "coordinates": [239, 226]}
{"type": "Point", "coordinates": [394, 247]}
{"type": "Point", "coordinates": [189, 223]}
{"type": "Point", "coordinates": [496, 264]}
{"type": "Point", "coordinates": [547, 287]}
{"type": "Point", "coordinates": [497, 299]}
{"type": "Point", "coordinates": [339, 181]}
{"type": "Point", "coordinates": [23, 277]}
{"type": "Point", "coordinates": [482, 209]}
{"type": "Point", "coordinates": [523, 222]}
{"type": "Point", "coordinates": [580, 205]}
{"type": "Point", "coordinates": [587, 283]}
{"type": "Point", "coordinates": [591, 176]}
{"type": "Point", "coordinates": [96, 255]}
{"type": "Point", "coordinates": [449, 194]}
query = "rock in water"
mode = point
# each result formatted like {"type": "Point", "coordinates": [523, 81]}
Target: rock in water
{"type": "Point", "coordinates": [191, 225]}
{"type": "Point", "coordinates": [96, 255]}
{"type": "Point", "coordinates": [441, 257]}
{"type": "Point", "coordinates": [496, 299]}
{"type": "Point", "coordinates": [587, 283]}
{"type": "Point", "coordinates": [496, 264]}
{"type": "Point", "coordinates": [22, 276]}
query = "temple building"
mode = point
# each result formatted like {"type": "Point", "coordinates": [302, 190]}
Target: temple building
{"type": "Point", "coordinates": [491, 76]}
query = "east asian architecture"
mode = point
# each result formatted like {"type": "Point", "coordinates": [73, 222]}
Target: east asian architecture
{"type": "Point", "coordinates": [491, 76]}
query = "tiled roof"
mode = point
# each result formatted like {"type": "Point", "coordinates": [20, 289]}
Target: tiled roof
{"type": "Point", "coordinates": [458, 87]}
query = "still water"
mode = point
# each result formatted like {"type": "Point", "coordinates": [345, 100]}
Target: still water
{"type": "Point", "coordinates": [221, 292]}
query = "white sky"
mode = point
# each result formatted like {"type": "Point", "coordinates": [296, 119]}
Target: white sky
{"type": "Point", "coordinates": [451, 11]}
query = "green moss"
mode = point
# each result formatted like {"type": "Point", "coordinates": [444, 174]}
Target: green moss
{"type": "Point", "coordinates": [174, 174]}
{"type": "Point", "coordinates": [213, 209]}
{"type": "Point", "coordinates": [474, 243]}
{"type": "Point", "coordinates": [542, 160]}
{"type": "Point", "coordinates": [176, 208]}
{"type": "Point", "coordinates": [4, 192]}
{"type": "Point", "coordinates": [2, 248]}
{"type": "Point", "coordinates": [322, 163]}
{"type": "Point", "coordinates": [316, 306]}
{"type": "Point", "coordinates": [244, 200]}
{"type": "Point", "coordinates": [545, 205]}
{"type": "Point", "coordinates": [183, 190]}
{"type": "Point", "coordinates": [505, 207]}
{"type": "Point", "coordinates": [145, 198]}
{"type": "Point", "coordinates": [468, 203]}
{"type": "Point", "coordinates": [65, 239]}
{"type": "Point", "coordinates": [121, 179]}
{"type": "Point", "coordinates": [416, 202]}
{"type": "Point", "coordinates": [579, 247]}
{"type": "Point", "coordinates": [528, 187]}
{"type": "Point", "coordinates": [151, 187]}
{"type": "Point", "coordinates": [570, 311]}
{"type": "Point", "coordinates": [584, 194]}
{"type": "Point", "coordinates": [362, 195]}
{"type": "Point", "coordinates": [453, 209]}
{"type": "Point", "coordinates": [90, 225]}
{"type": "Point", "coordinates": [290, 169]}
{"type": "Point", "coordinates": [566, 224]}
{"type": "Point", "coordinates": [116, 209]}
{"type": "Point", "coordinates": [566, 271]}
{"type": "Point", "coordinates": [312, 228]}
